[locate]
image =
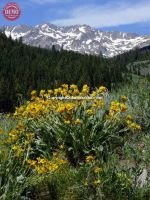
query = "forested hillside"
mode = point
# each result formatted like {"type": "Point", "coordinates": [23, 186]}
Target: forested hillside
{"type": "Point", "coordinates": [24, 68]}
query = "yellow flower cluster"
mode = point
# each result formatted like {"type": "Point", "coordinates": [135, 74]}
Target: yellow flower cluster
{"type": "Point", "coordinates": [43, 165]}
{"type": "Point", "coordinates": [85, 90]}
{"type": "Point", "coordinates": [97, 170]}
{"type": "Point", "coordinates": [102, 90]}
{"type": "Point", "coordinates": [89, 159]}
{"type": "Point", "coordinates": [132, 125]}
{"type": "Point", "coordinates": [78, 121]}
{"type": "Point", "coordinates": [97, 182]}
{"type": "Point", "coordinates": [98, 103]}
{"type": "Point", "coordinates": [90, 112]}
{"type": "Point", "coordinates": [45, 102]}
{"type": "Point", "coordinates": [20, 132]}
{"type": "Point", "coordinates": [124, 98]}
{"type": "Point", "coordinates": [65, 107]}
{"type": "Point", "coordinates": [18, 149]}
{"type": "Point", "coordinates": [120, 107]}
{"type": "Point", "coordinates": [67, 121]}
{"type": "Point", "coordinates": [34, 108]}
{"type": "Point", "coordinates": [15, 134]}
{"type": "Point", "coordinates": [129, 118]}
{"type": "Point", "coordinates": [117, 107]}
{"type": "Point", "coordinates": [20, 140]}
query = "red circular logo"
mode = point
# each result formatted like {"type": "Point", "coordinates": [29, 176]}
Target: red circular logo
{"type": "Point", "coordinates": [11, 11]}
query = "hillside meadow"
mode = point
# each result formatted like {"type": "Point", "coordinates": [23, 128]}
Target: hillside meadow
{"type": "Point", "coordinates": [78, 149]}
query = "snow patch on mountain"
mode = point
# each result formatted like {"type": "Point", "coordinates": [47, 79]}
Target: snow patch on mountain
{"type": "Point", "coordinates": [79, 38]}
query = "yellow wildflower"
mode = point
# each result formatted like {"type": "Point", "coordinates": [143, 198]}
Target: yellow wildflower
{"type": "Point", "coordinates": [97, 182]}
{"type": "Point", "coordinates": [102, 89]}
{"type": "Point", "coordinates": [69, 106]}
{"type": "Point", "coordinates": [55, 154]}
{"type": "Point", "coordinates": [90, 112]}
{"type": "Point", "coordinates": [67, 122]}
{"type": "Point", "coordinates": [65, 86]}
{"type": "Point", "coordinates": [21, 126]}
{"type": "Point", "coordinates": [129, 118]}
{"type": "Point", "coordinates": [78, 121]}
{"type": "Point", "coordinates": [94, 94]}
{"type": "Point", "coordinates": [129, 122]}
{"type": "Point", "coordinates": [34, 93]}
{"type": "Point", "coordinates": [32, 162]}
{"type": "Point", "coordinates": [42, 92]}
{"type": "Point", "coordinates": [115, 106]}
{"type": "Point", "coordinates": [123, 107]}
{"type": "Point", "coordinates": [76, 92]}
{"type": "Point", "coordinates": [89, 159]}
{"type": "Point", "coordinates": [73, 87]}
{"type": "Point", "coordinates": [124, 98]}
{"type": "Point", "coordinates": [97, 170]}
{"type": "Point", "coordinates": [42, 165]}
{"type": "Point", "coordinates": [18, 150]}
{"type": "Point", "coordinates": [30, 136]}
{"type": "Point", "coordinates": [135, 127]}
{"type": "Point", "coordinates": [64, 92]}
{"type": "Point", "coordinates": [56, 92]}
{"type": "Point", "coordinates": [85, 89]}
{"type": "Point", "coordinates": [50, 92]}
{"type": "Point", "coordinates": [61, 109]}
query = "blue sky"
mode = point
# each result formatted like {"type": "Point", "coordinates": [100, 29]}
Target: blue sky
{"type": "Point", "coordinates": [118, 15]}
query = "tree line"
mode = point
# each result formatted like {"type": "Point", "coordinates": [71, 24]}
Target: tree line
{"type": "Point", "coordinates": [24, 68]}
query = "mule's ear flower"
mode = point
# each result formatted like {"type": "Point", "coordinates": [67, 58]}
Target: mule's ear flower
{"type": "Point", "coordinates": [102, 89]}
{"type": "Point", "coordinates": [89, 159]}
{"type": "Point", "coordinates": [129, 118]}
{"type": "Point", "coordinates": [73, 87]}
{"type": "Point", "coordinates": [67, 122]}
{"type": "Point", "coordinates": [78, 121]}
{"type": "Point", "coordinates": [97, 182]}
{"type": "Point", "coordinates": [33, 93]}
{"type": "Point", "coordinates": [124, 98]}
{"type": "Point", "coordinates": [50, 92]}
{"type": "Point", "coordinates": [42, 92]}
{"type": "Point", "coordinates": [97, 170]}
{"type": "Point", "coordinates": [134, 127]}
{"type": "Point", "coordinates": [123, 107]}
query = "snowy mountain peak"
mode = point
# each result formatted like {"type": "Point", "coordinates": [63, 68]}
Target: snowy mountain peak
{"type": "Point", "coordinates": [79, 38]}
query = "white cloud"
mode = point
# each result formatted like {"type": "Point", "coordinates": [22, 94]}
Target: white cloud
{"type": "Point", "coordinates": [108, 15]}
